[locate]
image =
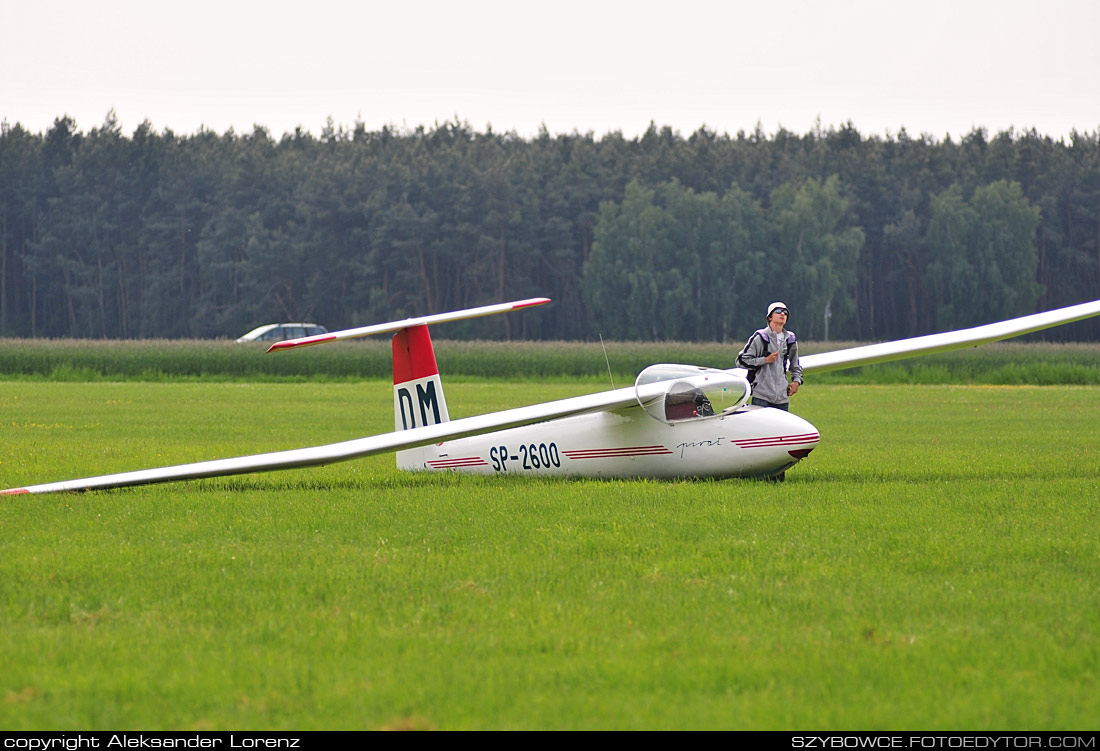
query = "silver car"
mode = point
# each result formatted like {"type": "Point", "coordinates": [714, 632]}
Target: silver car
{"type": "Point", "coordinates": [277, 332]}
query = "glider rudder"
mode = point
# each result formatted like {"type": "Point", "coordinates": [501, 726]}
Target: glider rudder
{"type": "Point", "coordinates": [417, 389]}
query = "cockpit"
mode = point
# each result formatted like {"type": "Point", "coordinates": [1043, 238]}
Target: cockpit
{"type": "Point", "coordinates": [676, 393]}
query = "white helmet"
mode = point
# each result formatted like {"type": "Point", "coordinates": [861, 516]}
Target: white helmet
{"type": "Point", "coordinates": [776, 305]}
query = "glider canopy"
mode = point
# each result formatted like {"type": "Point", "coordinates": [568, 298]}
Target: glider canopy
{"type": "Point", "coordinates": [674, 393]}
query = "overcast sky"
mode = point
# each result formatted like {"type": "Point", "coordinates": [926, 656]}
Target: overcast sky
{"type": "Point", "coordinates": [939, 66]}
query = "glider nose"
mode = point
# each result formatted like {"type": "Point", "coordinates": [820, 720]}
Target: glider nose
{"type": "Point", "coordinates": [771, 441]}
{"type": "Point", "coordinates": [803, 437]}
{"type": "Point", "coordinates": [790, 438]}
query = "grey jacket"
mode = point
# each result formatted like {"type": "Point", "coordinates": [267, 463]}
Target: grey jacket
{"type": "Point", "coordinates": [769, 380]}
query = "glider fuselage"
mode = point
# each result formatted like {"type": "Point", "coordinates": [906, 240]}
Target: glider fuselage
{"type": "Point", "coordinates": [627, 443]}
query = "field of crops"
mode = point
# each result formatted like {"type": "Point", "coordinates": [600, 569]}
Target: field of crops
{"type": "Point", "coordinates": [935, 564]}
{"type": "Point", "coordinates": [156, 360]}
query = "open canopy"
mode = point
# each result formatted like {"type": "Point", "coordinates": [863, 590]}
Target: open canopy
{"type": "Point", "coordinates": [689, 392]}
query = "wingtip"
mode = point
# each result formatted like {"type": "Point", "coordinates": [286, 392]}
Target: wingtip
{"type": "Point", "coordinates": [304, 342]}
{"type": "Point", "coordinates": [14, 491]}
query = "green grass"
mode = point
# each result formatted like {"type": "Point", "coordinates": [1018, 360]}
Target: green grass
{"type": "Point", "coordinates": [935, 564]}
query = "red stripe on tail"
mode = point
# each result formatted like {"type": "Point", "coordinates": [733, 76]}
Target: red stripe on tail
{"type": "Point", "coordinates": [413, 356]}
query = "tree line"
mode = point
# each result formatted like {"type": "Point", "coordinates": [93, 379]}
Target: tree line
{"type": "Point", "coordinates": [104, 235]}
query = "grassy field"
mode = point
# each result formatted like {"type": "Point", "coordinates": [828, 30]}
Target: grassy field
{"type": "Point", "coordinates": [935, 564]}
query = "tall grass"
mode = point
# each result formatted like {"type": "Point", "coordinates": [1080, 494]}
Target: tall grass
{"type": "Point", "coordinates": [83, 360]}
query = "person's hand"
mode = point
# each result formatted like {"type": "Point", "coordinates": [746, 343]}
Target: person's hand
{"type": "Point", "coordinates": [772, 357]}
{"type": "Point", "coordinates": [792, 388]}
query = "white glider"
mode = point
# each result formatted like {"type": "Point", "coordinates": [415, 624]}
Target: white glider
{"type": "Point", "coordinates": [676, 421]}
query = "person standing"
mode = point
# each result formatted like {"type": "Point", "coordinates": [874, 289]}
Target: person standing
{"type": "Point", "coordinates": [769, 355]}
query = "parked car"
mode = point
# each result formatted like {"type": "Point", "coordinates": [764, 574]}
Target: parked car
{"type": "Point", "coordinates": [277, 332]}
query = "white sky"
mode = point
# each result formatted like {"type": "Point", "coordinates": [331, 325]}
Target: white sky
{"type": "Point", "coordinates": [939, 66]}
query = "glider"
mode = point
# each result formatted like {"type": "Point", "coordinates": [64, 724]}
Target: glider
{"type": "Point", "coordinates": [675, 421]}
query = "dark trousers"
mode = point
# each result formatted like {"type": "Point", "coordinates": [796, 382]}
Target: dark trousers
{"type": "Point", "coordinates": [758, 402]}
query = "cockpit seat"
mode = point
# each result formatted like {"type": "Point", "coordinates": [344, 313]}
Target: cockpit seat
{"type": "Point", "coordinates": [685, 405]}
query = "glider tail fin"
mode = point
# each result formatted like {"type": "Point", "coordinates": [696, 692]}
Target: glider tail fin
{"type": "Point", "coordinates": [417, 389]}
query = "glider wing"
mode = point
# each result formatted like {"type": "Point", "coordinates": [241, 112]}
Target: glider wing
{"type": "Point", "coordinates": [353, 449]}
{"type": "Point", "coordinates": [951, 340]}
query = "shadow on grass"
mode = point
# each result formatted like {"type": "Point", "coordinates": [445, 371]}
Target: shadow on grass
{"type": "Point", "coordinates": [446, 480]}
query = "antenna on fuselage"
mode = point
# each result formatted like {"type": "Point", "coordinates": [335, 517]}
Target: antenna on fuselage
{"type": "Point", "coordinates": [607, 361]}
